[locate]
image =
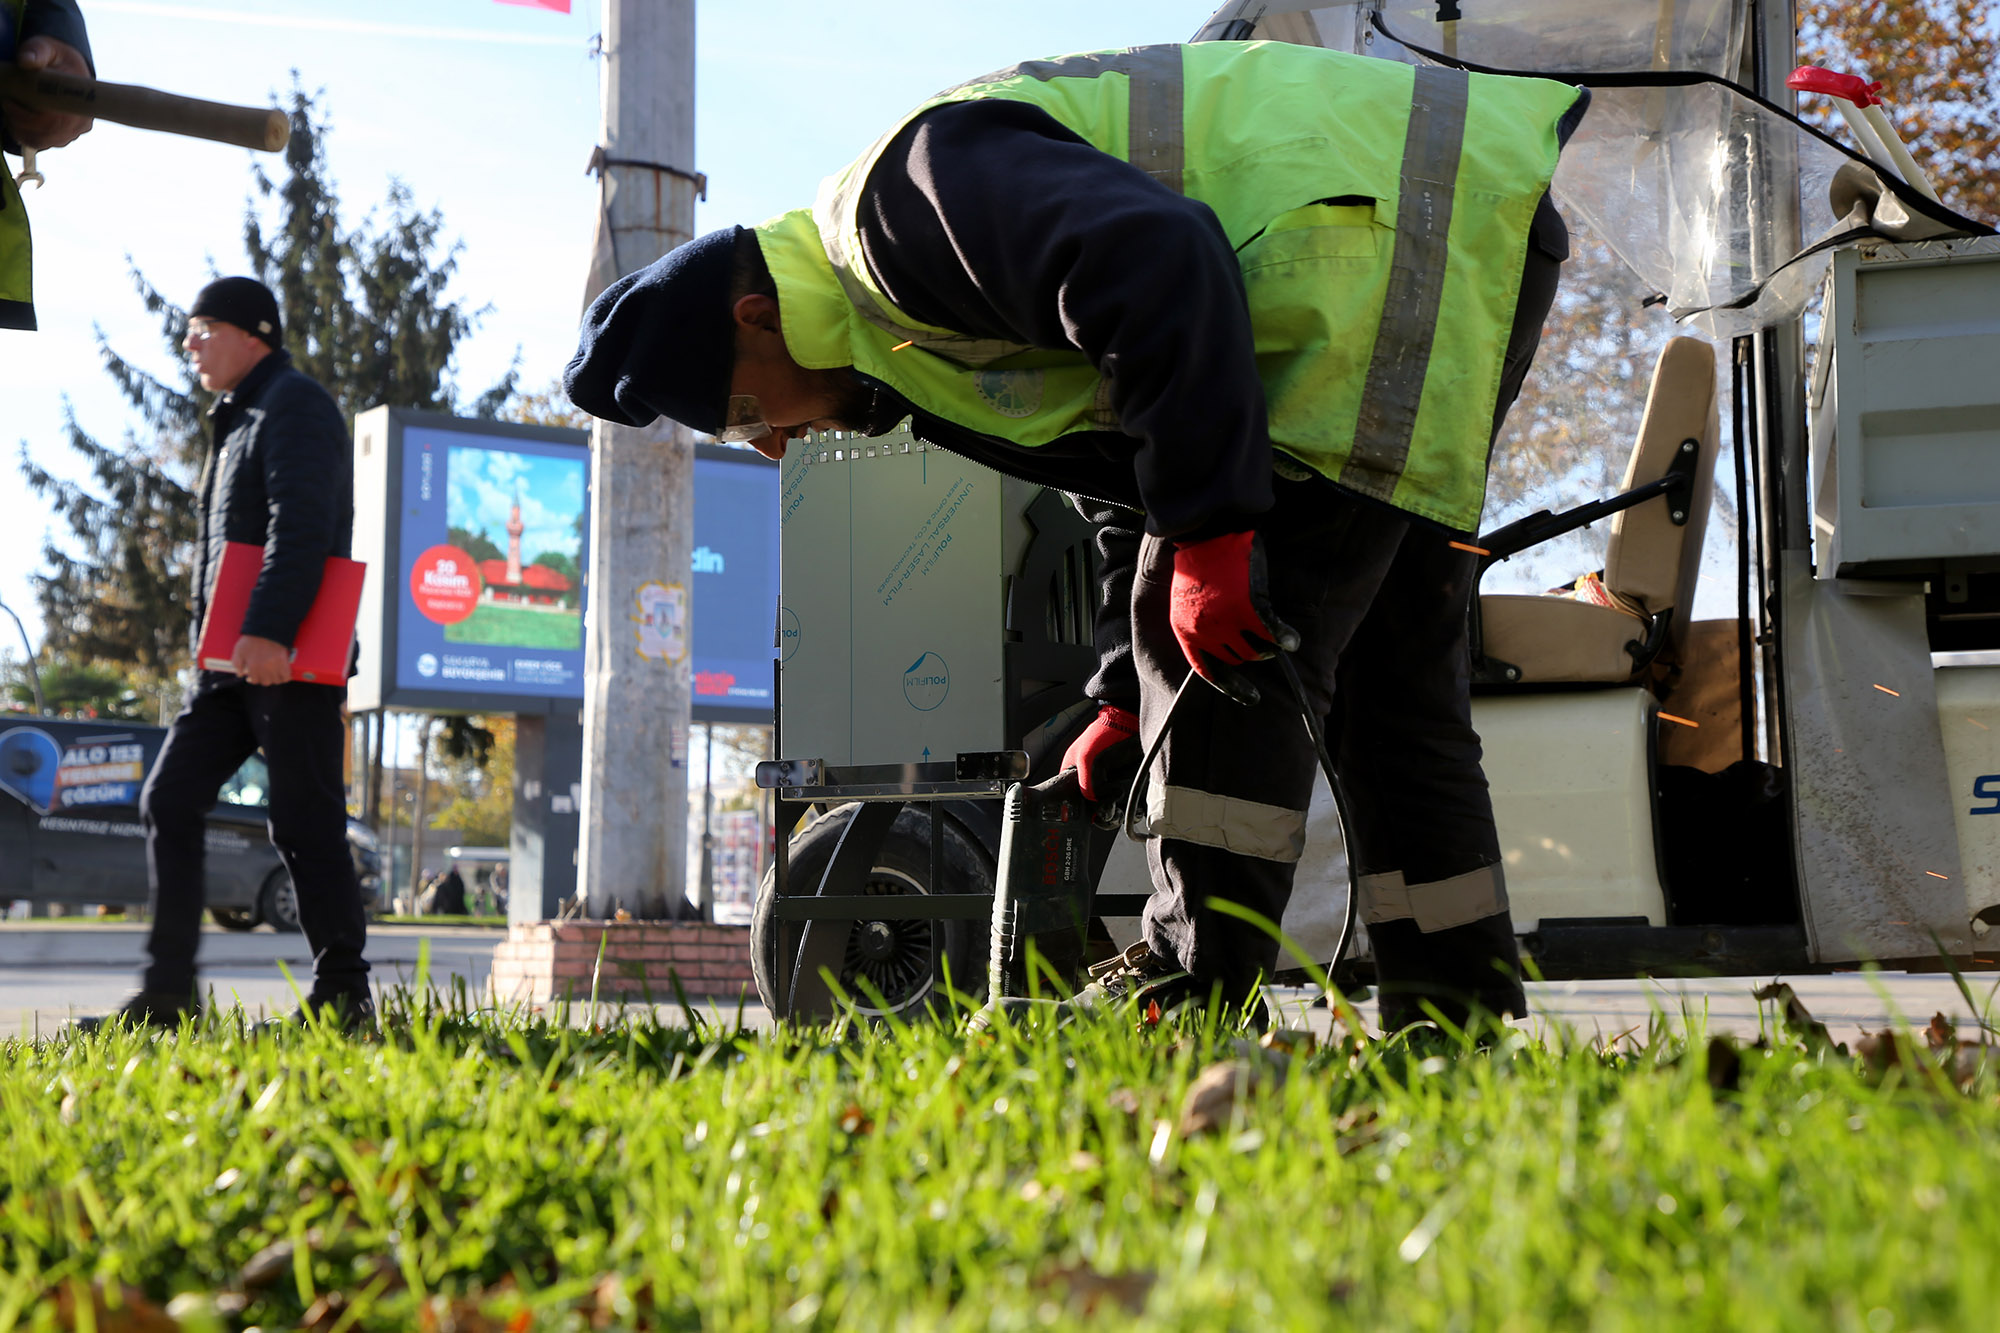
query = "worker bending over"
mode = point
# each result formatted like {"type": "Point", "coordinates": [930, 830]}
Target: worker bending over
{"type": "Point", "coordinates": [1263, 307]}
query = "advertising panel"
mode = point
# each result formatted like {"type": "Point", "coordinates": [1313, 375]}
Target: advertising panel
{"type": "Point", "coordinates": [494, 537]}
{"type": "Point", "coordinates": [738, 863]}
{"type": "Point", "coordinates": [735, 583]}
{"type": "Point", "coordinates": [54, 767]}
{"type": "Point", "coordinates": [481, 530]}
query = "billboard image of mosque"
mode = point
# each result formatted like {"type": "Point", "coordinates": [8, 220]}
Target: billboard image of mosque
{"type": "Point", "coordinates": [520, 517]}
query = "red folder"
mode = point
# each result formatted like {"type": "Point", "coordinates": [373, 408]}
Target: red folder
{"type": "Point", "coordinates": [325, 639]}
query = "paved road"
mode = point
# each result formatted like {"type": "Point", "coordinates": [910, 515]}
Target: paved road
{"type": "Point", "coordinates": [49, 972]}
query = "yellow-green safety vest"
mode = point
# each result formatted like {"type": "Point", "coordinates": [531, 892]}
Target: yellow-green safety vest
{"type": "Point", "coordinates": [1380, 326]}
{"type": "Point", "coordinates": [17, 293]}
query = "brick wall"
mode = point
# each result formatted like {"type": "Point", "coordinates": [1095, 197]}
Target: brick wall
{"type": "Point", "coordinates": [546, 960]}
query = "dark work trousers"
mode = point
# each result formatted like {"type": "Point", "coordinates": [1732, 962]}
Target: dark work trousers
{"type": "Point", "coordinates": [1380, 602]}
{"type": "Point", "coordinates": [298, 728]}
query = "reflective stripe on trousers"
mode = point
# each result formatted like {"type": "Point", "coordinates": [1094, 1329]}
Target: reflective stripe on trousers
{"type": "Point", "coordinates": [1438, 905]}
{"type": "Point", "coordinates": [1247, 828]}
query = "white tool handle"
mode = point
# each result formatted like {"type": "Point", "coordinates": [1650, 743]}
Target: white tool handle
{"type": "Point", "coordinates": [1899, 154]}
{"type": "Point", "coordinates": [1865, 138]}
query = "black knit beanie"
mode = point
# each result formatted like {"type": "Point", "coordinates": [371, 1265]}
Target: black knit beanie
{"type": "Point", "coordinates": [244, 302]}
{"type": "Point", "coordinates": [660, 342]}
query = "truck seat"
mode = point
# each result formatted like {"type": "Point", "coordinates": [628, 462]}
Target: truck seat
{"type": "Point", "coordinates": [1650, 563]}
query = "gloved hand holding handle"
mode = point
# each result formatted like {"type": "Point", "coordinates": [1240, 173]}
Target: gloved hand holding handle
{"type": "Point", "coordinates": [1221, 609]}
{"type": "Point", "coordinates": [1087, 754]}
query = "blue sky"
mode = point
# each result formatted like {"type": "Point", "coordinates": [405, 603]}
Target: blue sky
{"type": "Point", "coordinates": [484, 110]}
{"type": "Point", "coordinates": [485, 484]}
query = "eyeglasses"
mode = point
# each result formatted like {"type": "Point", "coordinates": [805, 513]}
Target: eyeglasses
{"type": "Point", "coordinates": [200, 331]}
{"type": "Point", "coordinates": [743, 420]}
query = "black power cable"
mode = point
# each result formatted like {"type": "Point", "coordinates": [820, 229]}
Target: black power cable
{"type": "Point", "coordinates": [1311, 720]}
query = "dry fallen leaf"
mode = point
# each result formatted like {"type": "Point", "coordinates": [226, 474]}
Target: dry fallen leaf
{"type": "Point", "coordinates": [1357, 1127]}
{"type": "Point", "coordinates": [1295, 1042]}
{"type": "Point", "coordinates": [1969, 1059]}
{"type": "Point", "coordinates": [1960, 1060]}
{"type": "Point", "coordinates": [1212, 1097]}
{"type": "Point", "coordinates": [1092, 1292]}
{"type": "Point", "coordinates": [266, 1266]}
{"type": "Point", "coordinates": [455, 1315]}
{"type": "Point", "coordinates": [1792, 1013]}
{"type": "Point", "coordinates": [325, 1312]}
{"type": "Point", "coordinates": [132, 1314]}
{"type": "Point", "coordinates": [619, 1304]}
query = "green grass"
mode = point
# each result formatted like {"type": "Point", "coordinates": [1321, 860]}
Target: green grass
{"type": "Point", "coordinates": [511, 1174]}
{"type": "Point", "coordinates": [517, 627]}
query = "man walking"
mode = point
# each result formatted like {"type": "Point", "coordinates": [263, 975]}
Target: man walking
{"type": "Point", "coordinates": [1269, 304]}
{"type": "Point", "coordinates": [281, 476]}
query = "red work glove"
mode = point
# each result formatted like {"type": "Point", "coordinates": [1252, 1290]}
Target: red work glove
{"type": "Point", "coordinates": [1086, 754]}
{"type": "Point", "coordinates": [1222, 607]}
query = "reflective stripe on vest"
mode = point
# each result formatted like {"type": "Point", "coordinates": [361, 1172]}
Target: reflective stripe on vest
{"type": "Point", "coordinates": [1402, 358]}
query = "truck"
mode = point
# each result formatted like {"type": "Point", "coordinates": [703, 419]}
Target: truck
{"type": "Point", "coordinates": [1753, 726]}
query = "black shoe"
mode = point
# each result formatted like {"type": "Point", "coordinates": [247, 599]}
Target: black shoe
{"type": "Point", "coordinates": [1468, 974]}
{"type": "Point", "coordinates": [1157, 987]}
{"type": "Point", "coordinates": [1482, 1016]}
{"type": "Point", "coordinates": [350, 1015]}
{"type": "Point", "coordinates": [161, 1009]}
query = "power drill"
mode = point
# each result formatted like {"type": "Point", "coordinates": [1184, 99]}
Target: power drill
{"type": "Point", "coordinates": [1045, 885]}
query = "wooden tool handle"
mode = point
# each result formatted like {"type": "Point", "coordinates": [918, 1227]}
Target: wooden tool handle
{"type": "Point", "coordinates": [262, 128]}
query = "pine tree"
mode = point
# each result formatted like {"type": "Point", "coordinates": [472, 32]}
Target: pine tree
{"type": "Point", "coordinates": [367, 313]}
{"type": "Point", "coordinates": [120, 592]}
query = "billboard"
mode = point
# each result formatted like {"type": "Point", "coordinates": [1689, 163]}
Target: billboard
{"type": "Point", "coordinates": [477, 537]}
{"type": "Point", "coordinates": [494, 531]}
{"type": "Point", "coordinates": [735, 583]}
{"type": "Point", "coordinates": [57, 767]}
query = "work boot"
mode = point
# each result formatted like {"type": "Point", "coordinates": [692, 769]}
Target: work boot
{"type": "Point", "coordinates": [1466, 973]}
{"type": "Point", "coordinates": [352, 1015]}
{"type": "Point", "coordinates": [162, 1009]}
{"type": "Point", "coordinates": [1155, 987]}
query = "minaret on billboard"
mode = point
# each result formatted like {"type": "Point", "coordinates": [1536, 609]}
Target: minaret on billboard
{"type": "Point", "coordinates": [514, 530]}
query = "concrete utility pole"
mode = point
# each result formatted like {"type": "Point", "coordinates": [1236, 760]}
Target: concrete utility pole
{"type": "Point", "coordinates": [638, 690]}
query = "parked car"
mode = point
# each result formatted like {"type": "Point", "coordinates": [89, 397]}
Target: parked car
{"type": "Point", "coordinates": [70, 831]}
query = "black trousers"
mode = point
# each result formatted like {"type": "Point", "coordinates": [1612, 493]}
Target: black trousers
{"type": "Point", "coordinates": [1380, 603]}
{"type": "Point", "coordinates": [298, 728]}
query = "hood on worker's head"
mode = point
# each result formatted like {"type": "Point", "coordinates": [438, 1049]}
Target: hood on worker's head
{"type": "Point", "coordinates": [660, 342]}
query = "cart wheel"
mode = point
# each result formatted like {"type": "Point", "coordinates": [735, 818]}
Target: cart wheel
{"type": "Point", "coordinates": [233, 918]}
{"type": "Point", "coordinates": [905, 961]}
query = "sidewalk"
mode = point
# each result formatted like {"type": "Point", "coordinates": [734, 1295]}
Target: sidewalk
{"type": "Point", "coordinates": [123, 944]}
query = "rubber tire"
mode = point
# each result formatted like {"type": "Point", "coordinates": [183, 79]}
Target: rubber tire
{"type": "Point", "coordinates": [234, 918]}
{"type": "Point", "coordinates": [903, 864]}
{"type": "Point", "coordinates": [278, 903]}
